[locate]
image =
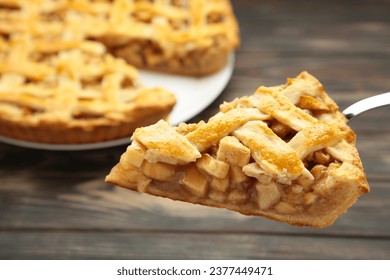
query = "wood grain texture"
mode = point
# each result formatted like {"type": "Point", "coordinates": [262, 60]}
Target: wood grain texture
{"type": "Point", "coordinates": [55, 205]}
{"type": "Point", "coordinates": [168, 245]}
{"type": "Point", "coordinates": [91, 204]}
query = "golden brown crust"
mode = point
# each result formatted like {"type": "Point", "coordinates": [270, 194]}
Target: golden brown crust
{"type": "Point", "coordinates": [84, 132]}
{"type": "Point", "coordinates": [58, 74]}
{"type": "Point", "coordinates": [261, 155]}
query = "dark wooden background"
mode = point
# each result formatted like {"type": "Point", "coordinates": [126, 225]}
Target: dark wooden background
{"type": "Point", "coordinates": [55, 205]}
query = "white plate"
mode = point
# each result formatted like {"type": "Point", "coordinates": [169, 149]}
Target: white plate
{"type": "Point", "coordinates": [193, 96]}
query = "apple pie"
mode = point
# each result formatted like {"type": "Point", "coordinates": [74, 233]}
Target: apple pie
{"type": "Point", "coordinates": [71, 91]}
{"type": "Point", "coordinates": [285, 153]}
{"type": "Point", "coordinates": [67, 68]}
{"type": "Point", "coordinates": [192, 37]}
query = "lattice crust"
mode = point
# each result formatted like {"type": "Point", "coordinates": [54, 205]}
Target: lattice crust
{"type": "Point", "coordinates": [72, 86]}
{"type": "Point", "coordinates": [285, 153]}
{"type": "Point", "coordinates": [191, 37]}
{"type": "Point", "coordinates": [57, 86]}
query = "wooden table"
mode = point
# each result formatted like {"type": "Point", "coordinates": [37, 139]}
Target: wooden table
{"type": "Point", "coordinates": [55, 205]}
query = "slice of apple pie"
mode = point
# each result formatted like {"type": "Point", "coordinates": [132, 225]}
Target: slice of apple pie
{"type": "Point", "coordinates": [285, 153]}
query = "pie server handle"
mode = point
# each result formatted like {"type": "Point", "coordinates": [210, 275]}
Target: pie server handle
{"type": "Point", "coordinates": [367, 104]}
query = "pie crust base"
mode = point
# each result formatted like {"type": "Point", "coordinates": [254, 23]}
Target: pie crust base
{"type": "Point", "coordinates": [86, 132]}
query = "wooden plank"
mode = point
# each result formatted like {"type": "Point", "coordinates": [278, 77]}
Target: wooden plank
{"type": "Point", "coordinates": [313, 27]}
{"type": "Point", "coordinates": [315, 11]}
{"type": "Point", "coordinates": [167, 245]}
{"type": "Point", "coordinates": [303, 36]}
{"type": "Point", "coordinates": [82, 202]}
{"type": "Point", "coordinates": [348, 76]}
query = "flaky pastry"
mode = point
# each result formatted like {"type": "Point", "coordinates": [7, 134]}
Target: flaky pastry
{"type": "Point", "coordinates": [285, 153]}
